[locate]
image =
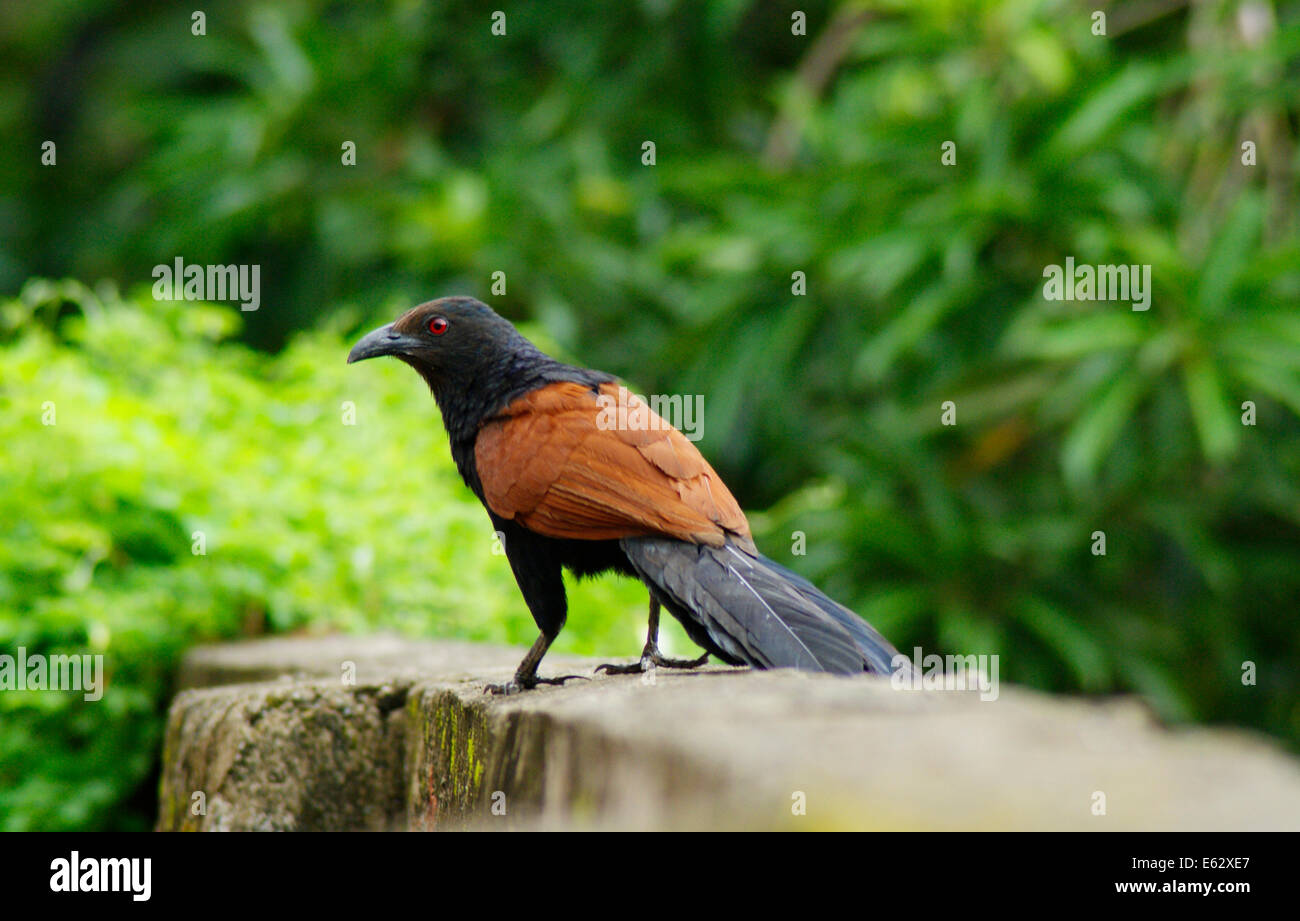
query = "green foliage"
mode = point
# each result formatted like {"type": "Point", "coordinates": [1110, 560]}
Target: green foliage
{"type": "Point", "coordinates": [161, 431]}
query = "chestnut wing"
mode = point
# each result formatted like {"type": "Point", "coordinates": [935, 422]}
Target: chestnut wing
{"type": "Point", "coordinates": [562, 463]}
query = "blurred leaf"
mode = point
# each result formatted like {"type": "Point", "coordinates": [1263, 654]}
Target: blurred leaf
{"type": "Point", "coordinates": [1091, 438]}
{"type": "Point", "coordinates": [1215, 424]}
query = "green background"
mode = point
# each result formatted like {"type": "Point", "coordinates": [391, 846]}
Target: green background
{"type": "Point", "coordinates": [776, 153]}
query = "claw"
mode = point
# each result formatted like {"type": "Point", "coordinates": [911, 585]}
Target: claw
{"type": "Point", "coordinates": [635, 668]}
{"type": "Point", "coordinates": [665, 662]}
{"type": "Point", "coordinates": [560, 679]}
{"type": "Point", "coordinates": [517, 685]}
{"type": "Point", "coordinates": [651, 657]}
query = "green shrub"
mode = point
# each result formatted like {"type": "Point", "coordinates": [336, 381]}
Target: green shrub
{"type": "Point", "coordinates": [162, 430]}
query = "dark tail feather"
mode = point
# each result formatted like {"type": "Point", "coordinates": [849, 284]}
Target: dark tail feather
{"type": "Point", "coordinates": [754, 611]}
{"type": "Point", "coordinates": [878, 651]}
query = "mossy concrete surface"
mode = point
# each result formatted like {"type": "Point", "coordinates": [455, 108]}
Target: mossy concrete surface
{"type": "Point", "coordinates": [380, 732]}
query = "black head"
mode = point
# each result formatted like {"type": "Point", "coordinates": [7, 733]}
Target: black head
{"type": "Point", "coordinates": [452, 342]}
{"type": "Point", "coordinates": [474, 361]}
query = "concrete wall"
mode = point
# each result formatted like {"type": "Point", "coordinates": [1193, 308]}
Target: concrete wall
{"type": "Point", "coordinates": [346, 733]}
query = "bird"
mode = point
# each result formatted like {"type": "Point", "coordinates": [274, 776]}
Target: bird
{"type": "Point", "coordinates": [579, 474]}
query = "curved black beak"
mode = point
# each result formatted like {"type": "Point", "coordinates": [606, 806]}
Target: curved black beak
{"type": "Point", "coordinates": [382, 341]}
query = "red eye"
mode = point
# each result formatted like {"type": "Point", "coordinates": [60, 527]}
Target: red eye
{"type": "Point", "coordinates": [438, 325]}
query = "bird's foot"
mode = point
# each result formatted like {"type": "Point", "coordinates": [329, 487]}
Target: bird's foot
{"type": "Point", "coordinates": [651, 657]}
{"type": "Point", "coordinates": [517, 685]}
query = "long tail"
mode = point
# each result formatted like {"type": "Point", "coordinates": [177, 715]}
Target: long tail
{"type": "Point", "coordinates": [746, 609]}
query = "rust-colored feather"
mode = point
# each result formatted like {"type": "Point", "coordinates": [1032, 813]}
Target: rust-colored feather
{"type": "Point", "coordinates": [553, 462]}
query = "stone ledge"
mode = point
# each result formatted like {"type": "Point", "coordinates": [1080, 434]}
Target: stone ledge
{"type": "Point", "coordinates": [415, 743]}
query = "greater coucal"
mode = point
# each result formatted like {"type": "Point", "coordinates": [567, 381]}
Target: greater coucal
{"type": "Point", "coordinates": [532, 437]}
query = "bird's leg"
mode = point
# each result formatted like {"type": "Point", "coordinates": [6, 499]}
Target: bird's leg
{"type": "Point", "coordinates": [651, 657]}
{"type": "Point", "coordinates": [525, 678]}
{"type": "Point", "coordinates": [651, 654]}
